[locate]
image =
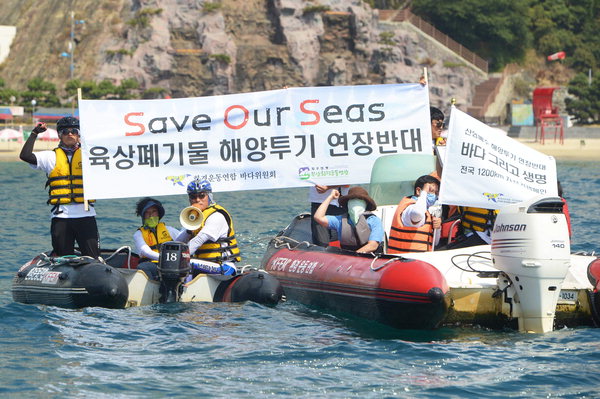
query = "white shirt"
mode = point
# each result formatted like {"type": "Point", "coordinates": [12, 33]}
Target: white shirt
{"type": "Point", "coordinates": [144, 249]}
{"type": "Point", "coordinates": [46, 161]}
{"type": "Point", "coordinates": [215, 227]}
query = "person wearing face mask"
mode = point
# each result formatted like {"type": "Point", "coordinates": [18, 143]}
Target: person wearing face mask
{"type": "Point", "coordinates": [413, 225]}
{"type": "Point", "coordinates": [72, 220]}
{"type": "Point", "coordinates": [357, 228]}
{"type": "Point", "coordinates": [151, 234]}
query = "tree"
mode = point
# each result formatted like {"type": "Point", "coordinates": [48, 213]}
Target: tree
{"type": "Point", "coordinates": [496, 30]}
{"type": "Point", "coordinates": [104, 90]}
{"type": "Point", "coordinates": [585, 107]}
{"type": "Point", "coordinates": [43, 92]}
{"type": "Point", "coordinates": [567, 25]}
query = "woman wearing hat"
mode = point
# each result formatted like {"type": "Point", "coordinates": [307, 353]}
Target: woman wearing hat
{"type": "Point", "coordinates": [357, 228]}
{"type": "Point", "coordinates": [152, 233]}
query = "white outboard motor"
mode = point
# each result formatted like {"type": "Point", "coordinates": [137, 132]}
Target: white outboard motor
{"type": "Point", "coordinates": [530, 244]}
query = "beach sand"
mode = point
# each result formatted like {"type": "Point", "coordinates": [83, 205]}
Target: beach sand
{"type": "Point", "coordinates": [582, 149]}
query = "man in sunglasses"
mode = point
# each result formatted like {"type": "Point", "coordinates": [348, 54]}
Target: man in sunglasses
{"type": "Point", "coordinates": [215, 240]}
{"type": "Point", "coordinates": [71, 219]}
{"type": "Point", "coordinates": [437, 125]}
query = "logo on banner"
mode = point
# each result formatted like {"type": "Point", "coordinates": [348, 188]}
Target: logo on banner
{"type": "Point", "coordinates": [306, 173]}
{"type": "Point", "coordinates": [177, 179]}
{"type": "Point", "coordinates": [492, 197]}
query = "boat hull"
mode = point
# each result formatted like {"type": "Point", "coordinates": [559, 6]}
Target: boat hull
{"type": "Point", "coordinates": [80, 282]}
{"type": "Point", "coordinates": [398, 292]}
{"type": "Point", "coordinates": [72, 284]}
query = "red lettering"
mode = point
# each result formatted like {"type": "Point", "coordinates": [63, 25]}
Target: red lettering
{"type": "Point", "coordinates": [307, 111]}
{"type": "Point", "coordinates": [241, 125]}
{"type": "Point", "coordinates": [130, 123]}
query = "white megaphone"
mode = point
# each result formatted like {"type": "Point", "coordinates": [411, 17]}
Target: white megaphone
{"type": "Point", "coordinates": [191, 218]}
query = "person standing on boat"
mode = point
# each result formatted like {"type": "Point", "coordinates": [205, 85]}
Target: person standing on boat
{"type": "Point", "coordinates": [151, 235]}
{"type": "Point", "coordinates": [316, 195]}
{"type": "Point", "coordinates": [215, 240]}
{"type": "Point", "coordinates": [357, 228]}
{"type": "Point", "coordinates": [413, 226]}
{"type": "Point", "coordinates": [72, 220]}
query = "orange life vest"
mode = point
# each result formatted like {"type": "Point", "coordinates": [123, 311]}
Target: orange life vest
{"type": "Point", "coordinates": [409, 239]}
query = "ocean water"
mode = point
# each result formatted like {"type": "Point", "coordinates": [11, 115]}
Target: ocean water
{"type": "Point", "coordinates": [247, 350]}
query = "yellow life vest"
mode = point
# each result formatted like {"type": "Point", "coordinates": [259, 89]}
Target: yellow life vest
{"type": "Point", "coordinates": [406, 238]}
{"type": "Point", "coordinates": [66, 180]}
{"type": "Point", "coordinates": [215, 251]}
{"type": "Point", "coordinates": [155, 237]}
{"type": "Point", "coordinates": [477, 219]}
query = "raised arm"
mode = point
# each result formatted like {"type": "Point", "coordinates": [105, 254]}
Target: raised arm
{"type": "Point", "coordinates": [27, 150]}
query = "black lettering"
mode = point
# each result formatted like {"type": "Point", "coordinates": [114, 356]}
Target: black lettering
{"type": "Point", "coordinates": [373, 111]}
{"type": "Point", "coordinates": [162, 129]}
{"type": "Point", "coordinates": [177, 126]}
{"type": "Point", "coordinates": [268, 117]}
{"type": "Point", "coordinates": [332, 111]}
{"type": "Point", "coordinates": [279, 112]}
{"type": "Point", "coordinates": [200, 120]}
{"type": "Point", "coordinates": [361, 114]}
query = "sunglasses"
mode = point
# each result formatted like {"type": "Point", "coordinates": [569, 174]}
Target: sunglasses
{"type": "Point", "coordinates": [70, 130]}
{"type": "Point", "coordinates": [197, 196]}
{"type": "Point", "coordinates": [439, 124]}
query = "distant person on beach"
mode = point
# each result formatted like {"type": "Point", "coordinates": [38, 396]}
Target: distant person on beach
{"type": "Point", "coordinates": [151, 234]}
{"type": "Point", "coordinates": [413, 225]}
{"type": "Point", "coordinates": [215, 240]}
{"type": "Point", "coordinates": [357, 228]}
{"type": "Point", "coordinates": [316, 195]}
{"type": "Point", "coordinates": [72, 220]}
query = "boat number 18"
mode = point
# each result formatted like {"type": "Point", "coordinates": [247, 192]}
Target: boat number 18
{"type": "Point", "coordinates": [172, 256]}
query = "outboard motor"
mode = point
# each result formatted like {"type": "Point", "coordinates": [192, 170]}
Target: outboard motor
{"type": "Point", "coordinates": [530, 244]}
{"type": "Point", "coordinates": [173, 268]}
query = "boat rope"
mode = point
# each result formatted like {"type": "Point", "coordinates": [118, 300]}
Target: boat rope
{"type": "Point", "coordinates": [469, 256]}
{"type": "Point", "coordinates": [71, 260]}
{"type": "Point", "coordinates": [126, 247]}
{"type": "Point", "coordinates": [279, 242]}
{"type": "Point", "coordinates": [383, 264]}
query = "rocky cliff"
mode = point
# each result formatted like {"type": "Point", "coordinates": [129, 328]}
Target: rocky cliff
{"type": "Point", "coordinates": [197, 47]}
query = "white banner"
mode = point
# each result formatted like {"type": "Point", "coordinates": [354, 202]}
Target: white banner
{"type": "Point", "coordinates": [485, 169]}
{"type": "Point", "coordinates": [264, 140]}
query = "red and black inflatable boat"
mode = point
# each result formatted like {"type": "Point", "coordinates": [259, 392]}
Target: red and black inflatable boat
{"type": "Point", "coordinates": [403, 293]}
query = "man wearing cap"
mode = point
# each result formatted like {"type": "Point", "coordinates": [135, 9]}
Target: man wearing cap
{"type": "Point", "coordinates": [357, 228]}
{"type": "Point", "coordinates": [71, 219]}
{"type": "Point", "coordinates": [215, 240]}
{"type": "Point", "coordinates": [151, 235]}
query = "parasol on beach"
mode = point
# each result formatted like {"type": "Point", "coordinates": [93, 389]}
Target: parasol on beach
{"type": "Point", "coordinates": [11, 134]}
{"type": "Point", "coordinates": [48, 135]}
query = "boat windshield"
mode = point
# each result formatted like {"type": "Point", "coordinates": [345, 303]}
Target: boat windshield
{"type": "Point", "coordinates": [393, 176]}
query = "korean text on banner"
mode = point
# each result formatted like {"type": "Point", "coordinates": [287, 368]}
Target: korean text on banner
{"type": "Point", "coordinates": [264, 140]}
{"type": "Point", "coordinates": [488, 170]}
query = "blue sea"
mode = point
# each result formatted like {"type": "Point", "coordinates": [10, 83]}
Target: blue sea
{"type": "Point", "coordinates": [247, 350]}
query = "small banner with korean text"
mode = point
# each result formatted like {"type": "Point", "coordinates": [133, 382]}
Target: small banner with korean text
{"type": "Point", "coordinates": [485, 169]}
{"type": "Point", "coordinates": [264, 140]}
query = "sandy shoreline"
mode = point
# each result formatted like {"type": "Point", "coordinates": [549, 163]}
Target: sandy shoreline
{"type": "Point", "coordinates": [573, 149]}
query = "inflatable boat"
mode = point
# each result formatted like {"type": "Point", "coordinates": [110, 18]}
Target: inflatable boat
{"type": "Point", "coordinates": [114, 281]}
{"type": "Point", "coordinates": [403, 293]}
{"type": "Point", "coordinates": [527, 279]}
